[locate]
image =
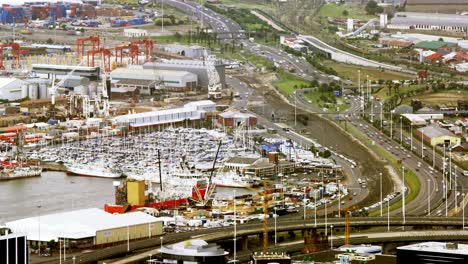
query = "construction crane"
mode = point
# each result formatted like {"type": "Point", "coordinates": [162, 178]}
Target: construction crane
{"type": "Point", "coordinates": [15, 53]}
{"type": "Point", "coordinates": [214, 81]}
{"type": "Point", "coordinates": [264, 196]}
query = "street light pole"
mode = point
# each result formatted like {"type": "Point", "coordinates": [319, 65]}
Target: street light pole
{"type": "Point", "coordinates": [235, 227]}
{"type": "Point", "coordinates": [433, 156]}
{"type": "Point", "coordinates": [304, 202]}
{"type": "Point", "coordinates": [315, 208]}
{"type": "Point", "coordinates": [422, 143]}
{"type": "Point", "coordinates": [388, 216]}
{"type": "Point", "coordinates": [161, 241]}
{"type": "Point", "coordinates": [339, 200]}
{"type": "Point", "coordinates": [295, 108]}
{"type": "Point", "coordinates": [403, 198]}
{"type": "Point", "coordinates": [381, 199]}
{"type": "Point", "coordinates": [428, 197]}
{"type": "Point", "coordinates": [401, 130]}
{"type": "Point", "coordinates": [39, 228]}
{"type": "Point", "coordinates": [326, 230]}
{"type": "Point", "coordinates": [381, 116]}
{"type": "Point", "coordinates": [391, 124]}
{"type": "Point", "coordinates": [128, 238]}
{"type": "Point", "coordinates": [276, 240]}
{"type": "Point", "coordinates": [331, 236]}
{"type": "Point", "coordinates": [411, 136]}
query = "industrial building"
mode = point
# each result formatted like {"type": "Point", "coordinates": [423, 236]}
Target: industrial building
{"type": "Point", "coordinates": [194, 111]}
{"type": "Point", "coordinates": [192, 251]}
{"type": "Point", "coordinates": [13, 249]}
{"type": "Point", "coordinates": [10, 89]}
{"type": "Point", "coordinates": [435, 135]}
{"type": "Point", "coordinates": [151, 79]}
{"type": "Point", "coordinates": [437, 6]}
{"type": "Point", "coordinates": [235, 119]}
{"type": "Point", "coordinates": [87, 227]}
{"type": "Point", "coordinates": [197, 67]}
{"type": "Point", "coordinates": [425, 21]}
{"type": "Point", "coordinates": [433, 252]}
{"type": "Point", "coordinates": [194, 51]}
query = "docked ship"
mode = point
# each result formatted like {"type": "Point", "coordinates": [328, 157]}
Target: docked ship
{"type": "Point", "coordinates": [12, 173]}
{"type": "Point", "coordinates": [92, 171]}
{"type": "Point", "coordinates": [232, 179]}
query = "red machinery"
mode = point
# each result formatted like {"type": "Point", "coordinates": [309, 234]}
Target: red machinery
{"type": "Point", "coordinates": [15, 53]}
{"type": "Point", "coordinates": [105, 56]}
{"type": "Point", "coordinates": [134, 50]}
{"type": "Point", "coordinates": [81, 42]}
{"type": "Point", "coordinates": [148, 44]}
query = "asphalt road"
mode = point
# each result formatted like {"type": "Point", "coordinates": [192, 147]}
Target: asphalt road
{"type": "Point", "coordinates": [222, 24]}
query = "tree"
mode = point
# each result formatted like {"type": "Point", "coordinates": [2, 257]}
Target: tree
{"type": "Point", "coordinates": [345, 13]}
{"type": "Point", "coordinates": [177, 36]}
{"type": "Point", "coordinates": [372, 8]}
{"type": "Point", "coordinates": [50, 41]}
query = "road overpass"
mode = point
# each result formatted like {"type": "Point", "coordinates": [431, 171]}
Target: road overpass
{"type": "Point", "coordinates": [343, 56]}
{"type": "Point", "coordinates": [253, 229]}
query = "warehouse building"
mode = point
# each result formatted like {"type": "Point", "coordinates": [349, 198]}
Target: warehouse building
{"type": "Point", "coordinates": [172, 79]}
{"type": "Point", "coordinates": [10, 89]}
{"type": "Point", "coordinates": [437, 6]}
{"type": "Point", "coordinates": [197, 67]}
{"type": "Point", "coordinates": [435, 135]}
{"type": "Point", "coordinates": [194, 51]}
{"type": "Point", "coordinates": [87, 227]}
{"type": "Point", "coordinates": [194, 111]}
{"type": "Point", "coordinates": [235, 119]}
{"type": "Point", "coordinates": [425, 21]}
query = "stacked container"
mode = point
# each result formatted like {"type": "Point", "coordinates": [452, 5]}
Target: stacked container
{"type": "Point", "coordinates": [12, 15]}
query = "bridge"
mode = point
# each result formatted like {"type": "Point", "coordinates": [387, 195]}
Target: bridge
{"type": "Point", "coordinates": [255, 229]}
{"type": "Point", "coordinates": [343, 56]}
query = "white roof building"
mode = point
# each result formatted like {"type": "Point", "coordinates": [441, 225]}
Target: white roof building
{"type": "Point", "coordinates": [191, 111]}
{"type": "Point", "coordinates": [171, 78]}
{"type": "Point", "coordinates": [461, 67]}
{"type": "Point", "coordinates": [10, 89]}
{"type": "Point", "coordinates": [76, 224]}
{"type": "Point", "coordinates": [193, 248]}
{"type": "Point", "coordinates": [421, 119]}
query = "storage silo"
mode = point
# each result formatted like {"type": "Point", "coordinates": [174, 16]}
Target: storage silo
{"type": "Point", "coordinates": [43, 90]}
{"type": "Point", "coordinates": [24, 90]}
{"type": "Point", "coordinates": [33, 91]}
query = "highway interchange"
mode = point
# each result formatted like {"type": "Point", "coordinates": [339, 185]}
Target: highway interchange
{"type": "Point", "coordinates": [411, 161]}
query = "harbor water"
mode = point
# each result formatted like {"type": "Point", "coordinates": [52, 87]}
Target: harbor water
{"type": "Point", "coordinates": [56, 191]}
{"type": "Point", "coordinates": [52, 192]}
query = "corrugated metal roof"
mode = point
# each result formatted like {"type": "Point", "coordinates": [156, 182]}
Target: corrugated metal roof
{"type": "Point", "coordinates": [137, 73]}
{"type": "Point", "coordinates": [76, 224]}
{"type": "Point", "coordinates": [434, 131]}
{"type": "Point", "coordinates": [414, 18]}
{"type": "Point", "coordinates": [6, 81]}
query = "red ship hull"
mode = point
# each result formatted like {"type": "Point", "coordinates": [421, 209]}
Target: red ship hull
{"type": "Point", "coordinates": [112, 208]}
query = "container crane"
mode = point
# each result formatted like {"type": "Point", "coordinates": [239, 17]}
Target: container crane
{"type": "Point", "coordinates": [214, 81]}
{"type": "Point", "coordinates": [81, 42]}
{"type": "Point", "coordinates": [15, 53]}
{"type": "Point", "coordinates": [105, 57]}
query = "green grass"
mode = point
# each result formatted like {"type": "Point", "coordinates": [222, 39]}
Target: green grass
{"type": "Point", "coordinates": [351, 72]}
{"type": "Point", "coordinates": [286, 82]}
{"type": "Point", "coordinates": [411, 179]}
{"type": "Point", "coordinates": [383, 93]}
{"type": "Point", "coordinates": [316, 101]}
{"type": "Point", "coordinates": [331, 10]}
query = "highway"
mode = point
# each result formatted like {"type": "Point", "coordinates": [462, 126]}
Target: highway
{"type": "Point", "coordinates": [416, 207]}
{"type": "Point", "coordinates": [145, 247]}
